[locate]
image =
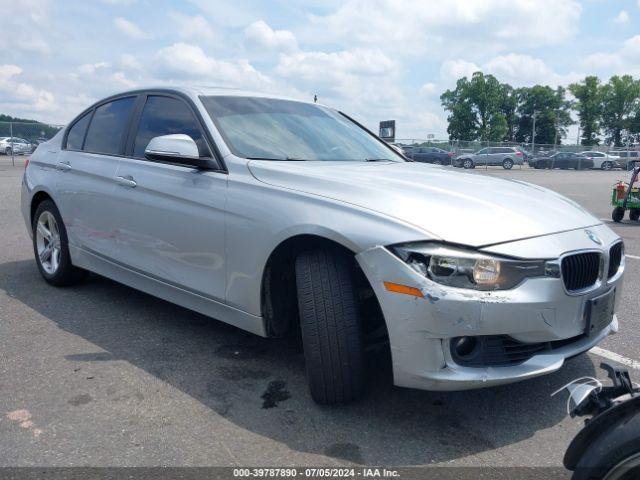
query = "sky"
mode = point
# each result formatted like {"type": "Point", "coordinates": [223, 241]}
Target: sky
{"type": "Point", "coordinates": [373, 59]}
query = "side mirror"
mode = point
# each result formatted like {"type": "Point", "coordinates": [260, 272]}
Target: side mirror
{"type": "Point", "coordinates": [176, 148]}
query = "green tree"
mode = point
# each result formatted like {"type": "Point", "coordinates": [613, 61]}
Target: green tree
{"type": "Point", "coordinates": [552, 114]}
{"type": "Point", "coordinates": [509, 108]}
{"type": "Point", "coordinates": [475, 109]}
{"type": "Point", "coordinates": [620, 99]}
{"type": "Point", "coordinates": [588, 104]}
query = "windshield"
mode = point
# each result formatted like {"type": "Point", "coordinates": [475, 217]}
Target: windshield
{"type": "Point", "coordinates": [273, 129]}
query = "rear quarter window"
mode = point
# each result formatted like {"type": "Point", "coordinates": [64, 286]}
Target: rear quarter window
{"type": "Point", "coordinates": [75, 137]}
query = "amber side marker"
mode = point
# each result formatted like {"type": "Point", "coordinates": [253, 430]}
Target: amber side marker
{"type": "Point", "coordinates": [398, 288]}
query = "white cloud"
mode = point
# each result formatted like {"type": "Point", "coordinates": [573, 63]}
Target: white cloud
{"type": "Point", "coordinates": [261, 36]}
{"type": "Point", "coordinates": [192, 26]}
{"type": "Point", "coordinates": [622, 61]}
{"type": "Point", "coordinates": [451, 70]}
{"type": "Point", "coordinates": [119, 2]}
{"type": "Point", "coordinates": [184, 61]}
{"type": "Point", "coordinates": [20, 95]}
{"type": "Point", "coordinates": [448, 25]}
{"type": "Point", "coordinates": [622, 17]}
{"type": "Point", "coordinates": [516, 69]}
{"type": "Point", "coordinates": [428, 89]}
{"type": "Point", "coordinates": [129, 62]}
{"type": "Point", "coordinates": [92, 68]}
{"type": "Point", "coordinates": [129, 28]}
{"type": "Point", "coordinates": [24, 25]}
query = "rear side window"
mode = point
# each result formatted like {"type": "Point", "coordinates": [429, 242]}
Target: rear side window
{"type": "Point", "coordinates": [166, 116]}
{"type": "Point", "coordinates": [75, 136]}
{"type": "Point", "coordinates": [108, 126]}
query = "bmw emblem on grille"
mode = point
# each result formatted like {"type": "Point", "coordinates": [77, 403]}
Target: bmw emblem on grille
{"type": "Point", "coordinates": [593, 237]}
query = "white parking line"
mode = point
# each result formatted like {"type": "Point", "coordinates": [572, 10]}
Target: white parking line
{"type": "Point", "coordinates": [614, 357]}
{"type": "Point", "coordinates": [635, 257]}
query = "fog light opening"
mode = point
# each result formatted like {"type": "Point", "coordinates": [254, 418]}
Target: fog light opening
{"type": "Point", "coordinates": [464, 347]}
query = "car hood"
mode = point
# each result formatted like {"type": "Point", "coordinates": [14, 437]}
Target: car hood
{"type": "Point", "coordinates": [458, 207]}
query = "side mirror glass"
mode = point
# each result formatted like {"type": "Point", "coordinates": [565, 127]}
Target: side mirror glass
{"type": "Point", "coordinates": [176, 148]}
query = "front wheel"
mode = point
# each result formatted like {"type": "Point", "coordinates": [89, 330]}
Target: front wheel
{"type": "Point", "coordinates": [507, 164]}
{"type": "Point", "coordinates": [51, 247]}
{"type": "Point", "coordinates": [468, 163]}
{"type": "Point", "coordinates": [7, 151]}
{"type": "Point", "coordinates": [330, 325]}
{"type": "Point", "coordinates": [437, 162]}
{"type": "Point", "coordinates": [607, 166]}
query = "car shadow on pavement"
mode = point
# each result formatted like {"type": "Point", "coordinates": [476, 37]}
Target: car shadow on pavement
{"type": "Point", "coordinates": [259, 384]}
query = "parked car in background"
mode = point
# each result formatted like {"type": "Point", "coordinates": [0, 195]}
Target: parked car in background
{"type": "Point", "coordinates": [526, 155]}
{"type": "Point", "coordinates": [628, 158]}
{"type": "Point", "coordinates": [603, 161]}
{"type": "Point", "coordinates": [15, 145]}
{"type": "Point", "coordinates": [279, 216]}
{"type": "Point", "coordinates": [563, 160]}
{"type": "Point", "coordinates": [505, 156]}
{"type": "Point", "coordinates": [434, 155]}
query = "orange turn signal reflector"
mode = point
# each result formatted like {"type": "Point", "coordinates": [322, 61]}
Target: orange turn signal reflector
{"type": "Point", "coordinates": [397, 288]}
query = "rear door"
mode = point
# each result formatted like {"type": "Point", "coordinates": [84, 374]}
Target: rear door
{"type": "Point", "coordinates": [171, 222]}
{"type": "Point", "coordinates": [495, 156]}
{"type": "Point", "coordinates": [87, 165]}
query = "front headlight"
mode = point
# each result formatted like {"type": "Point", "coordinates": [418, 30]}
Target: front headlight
{"type": "Point", "coordinates": [457, 267]}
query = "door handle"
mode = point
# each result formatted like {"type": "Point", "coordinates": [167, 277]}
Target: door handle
{"type": "Point", "coordinates": [63, 166]}
{"type": "Point", "coordinates": [127, 181]}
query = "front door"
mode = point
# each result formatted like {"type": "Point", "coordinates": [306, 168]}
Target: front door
{"type": "Point", "coordinates": [171, 218]}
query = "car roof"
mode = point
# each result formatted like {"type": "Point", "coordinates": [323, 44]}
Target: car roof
{"type": "Point", "coordinates": [197, 91]}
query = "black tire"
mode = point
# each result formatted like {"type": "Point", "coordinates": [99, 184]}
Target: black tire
{"type": "Point", "coordinates": [613, 455]}
{"type": "Point", "coordinates": [507, 164]}
{"type": "Point", "coordinates": [7, 151]}
{"type": "Point", "coordinates": [468, 163]}
{"type": "Point", "coordinates": [66, 274]}
{"type": "Point", "coordinates": [606, 165]}
{"type": "Point", "coordinates": [618, 214]}
{"type": "Point", "coordinates": [330, 326]}
{"type": "Point", "coordinates": [634, 214]}
{"type": "Point", "coordinates": [437, 162]}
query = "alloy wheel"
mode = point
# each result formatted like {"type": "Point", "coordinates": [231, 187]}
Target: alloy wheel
{"type": "Point", "coordinates": [48, 242]}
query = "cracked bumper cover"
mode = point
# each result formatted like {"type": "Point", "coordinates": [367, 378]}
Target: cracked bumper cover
{"type": "Point", "coordinates": [538, 310]}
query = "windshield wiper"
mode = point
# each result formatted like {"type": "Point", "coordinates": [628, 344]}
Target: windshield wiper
{"type": "Point", "coordinates": [291, 159]}
{"type": "Point", "coordinates": [377, 160]}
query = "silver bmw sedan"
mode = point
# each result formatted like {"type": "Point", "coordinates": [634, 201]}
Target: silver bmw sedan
{"type": "Point", "coordinates": [279, 216]}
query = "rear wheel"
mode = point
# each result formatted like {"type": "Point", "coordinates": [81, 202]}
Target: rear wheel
{"type": "Point", "coordinates": [51, 247]}
{"type": "Point", "coordinates": [468, 163]}
{"type": "Point", "coordinates": [437, 162]}
{"type": "Point", "coordinates": [330, 325]}
{"type": "Point", "coordinates": [507, 164]}
{"type": "Point", "coordinates": [618, 214]}
{"type": "Point", "coordinates": [634, 214]}
{"type": "Point", "coordinates": [7, 151]}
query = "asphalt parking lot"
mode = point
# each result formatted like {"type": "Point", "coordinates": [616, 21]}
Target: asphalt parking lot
{"type": "Point", "coordinates": [102, 375]}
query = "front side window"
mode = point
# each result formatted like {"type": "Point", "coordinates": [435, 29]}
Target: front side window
{"type": "Point", "coordinates": [166, 116]}
{"type": "Point", "coordinates": [273, 129]}
{"type": "Point", "coordinates": [75, 137]}
{"type": "Point", "coordinates": [484, 151]}
{"type": "Point", "coordinates": [108, 126]}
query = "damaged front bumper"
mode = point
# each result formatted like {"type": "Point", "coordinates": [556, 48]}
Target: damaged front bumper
{"type": "Point", "coordinates": [537, 312]}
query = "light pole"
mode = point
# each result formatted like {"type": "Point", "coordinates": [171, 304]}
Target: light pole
{"type": "Point", "coordinates": [533, 133]}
